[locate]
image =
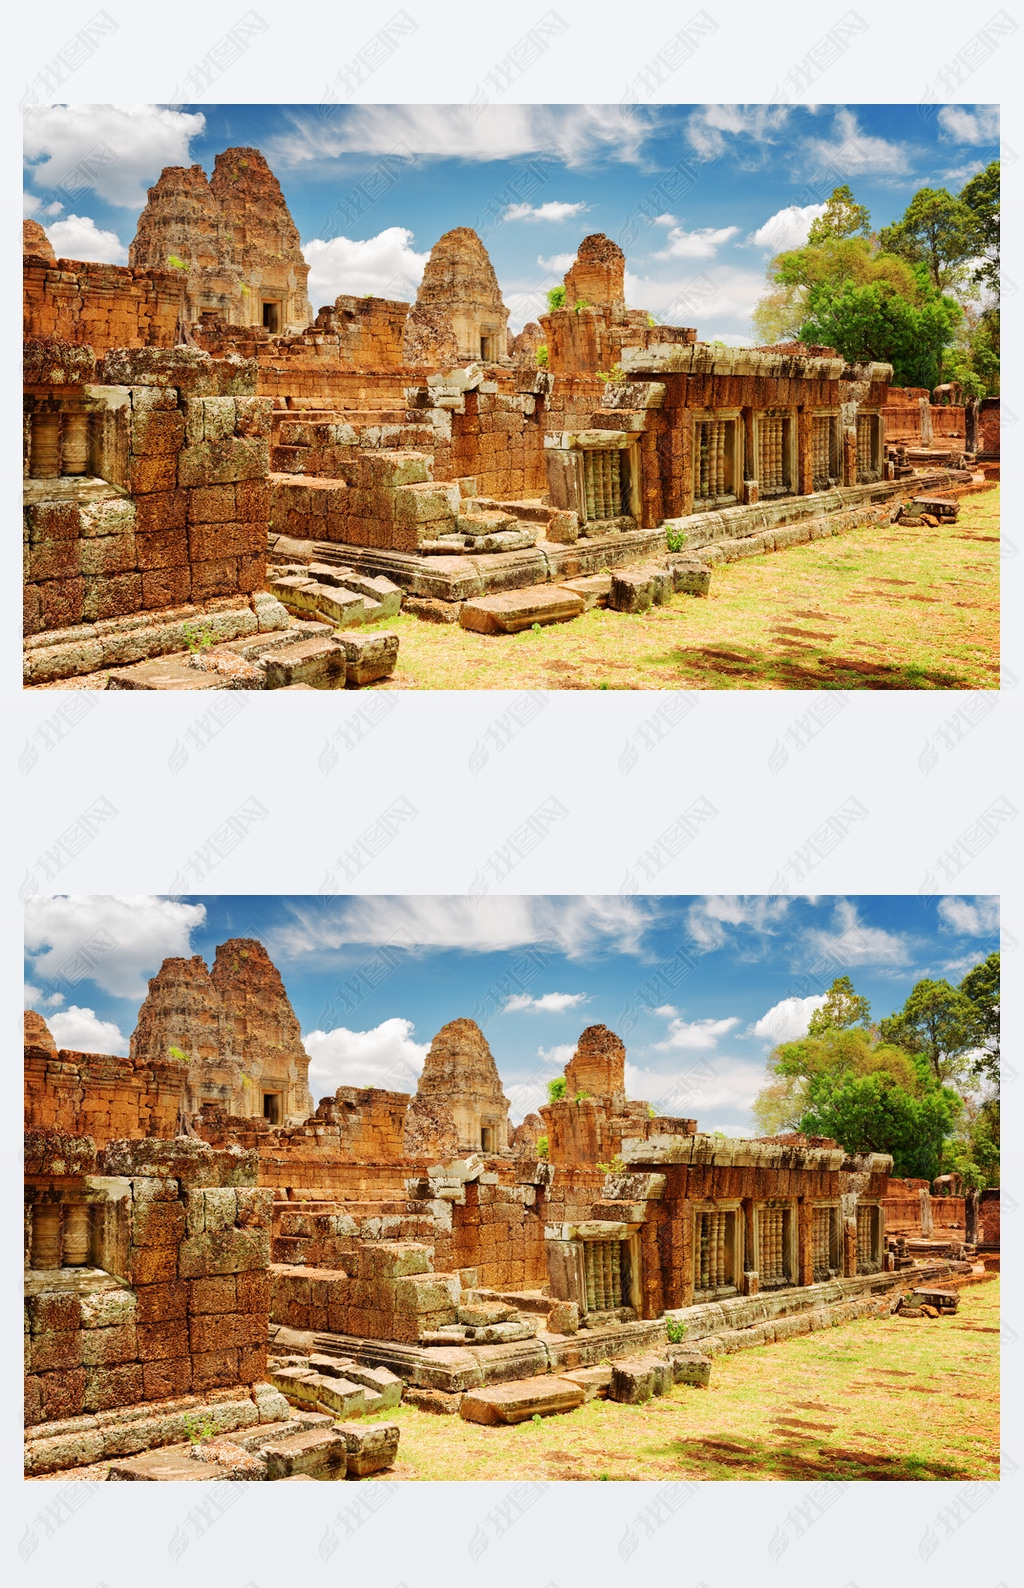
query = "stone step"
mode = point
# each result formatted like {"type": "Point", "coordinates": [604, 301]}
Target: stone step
{"type": "Point", "coordinates": [165, 672]}
{"type": "Point", "coordinates": [510, 611]}
{"type": "Point", "coordinates": [544, 1396]}
{"type": "Point", "coordinates": [319, 662]}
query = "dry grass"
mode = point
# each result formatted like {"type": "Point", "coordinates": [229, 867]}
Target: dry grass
{"type": "Point", "coordinates": [884, 607]}
{"type": "Point", "coordinates": [889, 1398]}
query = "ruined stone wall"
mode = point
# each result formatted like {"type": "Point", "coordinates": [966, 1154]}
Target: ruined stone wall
{"type": "Point", "coordinates": [146, 490]}
{"type": "Point", "coordinates": [499, 1232]}
{"type": "Point", "coordinates": [101, 306]}
{"type": "Point", "coordinates": [171, 1293]}
{"type": "Point", "coordinates": [908, 1205]}
{"type": "Point", "coordinates": [499, 443]}
{"type": "Point", "coordinates": [101, 1095]}
{"type": "Point", "coordinates": [988, 427]}
{"type": "Point", "coordinates": [592, 1130]}
{"type": "Point", "coordinates": [988, 1218]}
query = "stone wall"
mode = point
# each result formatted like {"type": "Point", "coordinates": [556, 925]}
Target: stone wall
{"type": "Point", "coordinates": [101, 306]}
{"type": "Point", "coordinates": [102, 1096]}
{"type": "Point", "coordinates": [147, 489]}
{"type": "Point", "coordinates": [167, 1291]}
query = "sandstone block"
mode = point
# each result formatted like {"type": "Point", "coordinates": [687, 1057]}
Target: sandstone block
{"type": "Point", "coordinates": [391, 1259]}
{"type": "Point", "coordinates": [108, 1346]}
{"type": "Point", "coordinates": [510, 611]}
{"type": "Point", "coordinates": [689, 1367]}
{"type": "Point", "coordinates": [564, 1318]}
{"type": "Point", "coordinates": [368, 1448]}
{"type": "Point", "coordinates": [594, 1381]}
{"type": "Point", "coordinates": [320, 1453]}
{"type": "Point", "coordinates": [320, 663]}
{"type": "Point", "coordinates": [638, 589]}
{"type": "Point", "coordinates": [340, 1396]}
{"type": "Point", "coordinates": [640, 1380]}
{"type": "Point", "coordinates": [522, 1399]}
{"type": "Point", "coordinates": [690, 578]}
{"type": "Point", "coordinates": [103, 1308]}
{"type": "Point", "coordinates": [368, 657]}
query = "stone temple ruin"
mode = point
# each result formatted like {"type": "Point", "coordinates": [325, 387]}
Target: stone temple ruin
{"type": "Point", "coordinates": [222, 1282]}
{"type": "Point", "coordinates": [222, 490]}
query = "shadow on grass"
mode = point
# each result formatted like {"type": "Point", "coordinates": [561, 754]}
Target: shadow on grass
{"type": "Point", "coordinates": [824, 672]}
{"type": "Point", "coordinates": [748, 1459]}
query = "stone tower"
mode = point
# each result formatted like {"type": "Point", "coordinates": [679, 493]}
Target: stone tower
{"type": "Point", "coordinates": [598, 1067]}
{"type": "Point", "coordinates": [459, 282]}
{"type": "Point", "coordinates": [34, 241]}
{"type": "Point", "coordinates": [597, 275]}
{"type": "Point", "coordinates": [460, 1073]}
{"type": "Point", "coordinates": [234, 240]}
{"type": "Point", "coordinates": [237, 1029]}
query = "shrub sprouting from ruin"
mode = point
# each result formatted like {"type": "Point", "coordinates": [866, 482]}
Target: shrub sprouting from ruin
{"type": "Point", "coordinates": [556, 1089]}
{"type": "Point", "coordinates": [556, 298]}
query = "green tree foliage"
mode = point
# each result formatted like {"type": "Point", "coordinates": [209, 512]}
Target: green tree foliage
{"type": "Point", "coordinates": [557, 1089]}
{"type": "Point", "coordinates": [556, 298]}
{"type": "Point", "coordinates": [842, 1008]}
{"type": "Point", "coordinates": [981, 988]}
{"type": "Point", "coordinates": [873, 1113]}
{"type": "Point", "coordinates": [876, 322]}
{"type": "Point", "coordinates": [937, 229]}
{"type": "Point", "coordinates": [843, 217]}
{"type": "Point", "coordinates": [939, 1022]}
{"type": "Point", "coordinates": [981, 196]}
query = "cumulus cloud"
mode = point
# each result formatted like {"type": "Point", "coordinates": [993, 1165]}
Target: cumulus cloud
{"type": "Point", "coordinates": [709, 919]}
{"type": "Point", "coordinates": [696, 1033]}
{"type": "Point", "coordinates": [553, 210]}
{"type": "Point", "coordinates": [849, 942]}
{"type": "Point", "coordinates": [37, 998]}
{"type": "Point", "coordinates": [851, 150]}
{"type": "Point", "coordinates": [691, 1090]}
{"type": "Point", "coordinates": [961, 125]}
{"type": "Point", "coordinates": [977, 917]}
{"type": "Point", "coordinates": [557, 264]}
{"type": "Point", "coordinates": [385, 265]}
{"type": "Point", "coordinates": [575, 134]}
{"type": "Point", "coordinates": [82, 1031]}
{"type": "Point", "coordinates": [385, 1056]}
{"type": "Point", "coordinates": [694, 297]}
{"type": "Point", "coordinates": [701, 244]}
{"type": "Point", "coordinates": [787, 228]}
{"type": "Point", "coordinates": [117, 941]}
{"type": "Point", "coordinates": [546, 1004]}
{"type": "Point", "coordinates": [116, 150]}
{"type": "Point", "coordinates": [787, 1020]}
{"type": "Point", "coordinates": [573, 926]}
{"type": "Point", "coordinates": [710, 128]}
{"type": "Point", "coordinates": [665, 1010]}
{"type": "Point", "coordinates": [78, 237]}
{"type": "Point", "coordinates": [32, 205]}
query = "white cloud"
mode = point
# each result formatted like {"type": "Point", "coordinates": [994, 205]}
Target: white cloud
{"type": "Point", "coordinates": [977, 917]}
{"type": "Point", "coordinates": [787, 228]}
{"type": "Point", "coordinates": [573, 926]}
{"type": "Point", "coordinates": [787, 1020]}
{"type": "Point", "coordinates": [966, 126]}
{"type": "Point", "coordinates": [81, 1031]}
{"type": "Point", "coordinates": [710, 127]}
{"type": "Point", "coordinates": [117, 150]}
{"type": "Point", "coordinates": [851, 150]}
{"type": "Point", "coordinates": [575, 134]}
{"type": "Point", "coordinates": [78, 237]}
{"type": "Point", "coordinates": [692, 1090]}
{"type": "Point", "coordinates": [701, 244]}
{"type": "Point", "coordinates": [665, 1010]}
{"type": "Point", "coordinates": [557, 264]}
{"type": "Point", "coordinates": [709, 919]}
{"type": "Point", "coordinates": [850, 942]}
{"type": "Point", "coordinates": [36, 998]}
{"type": "Point", "coordinates": [546, 1004]}
{"type": "Point", "coordinates": [664, 220]}
{"type": "Point", "coordinates": [32, 204]}
{"type": "Point", "coordinates": [115, 940]}
{"type": "Point", "coordinates": [559, 1055]}
{"type": "Point", "coordinates": [696, 1033]}
{"type": "Point", "coordinates": [385, 1056]}
{"type": "Point", "coordinates": [385, 265]}
{"type": "Point", "coordinates": [692, 298]}
{"type": "Point", "coordinates": [553, 210]}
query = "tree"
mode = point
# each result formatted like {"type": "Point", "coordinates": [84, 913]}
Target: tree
{"type": "Point", "coordinates": [938, 230]}
{"type": "Point", "coordinates": [939, 1022]}
{"type": "Point", "coordinates": [842, 218]}
{"type": "Point", "coordinates": [557, 1089]}
{"type": "Point", "coordinates": [842, 1008]}
{"type": "Point", "coordinates": [875, 322]}
{"type": "Point", "coordinates": [981, 196]}
{"type": "Point", "coordinates": [981, 989]}
{"type": "Point", "coordinates": [794, 1067]}
{"type": "Point", "coordinates": [873, 1113]}
{"type": "Point", "coordinates": [556, 298]}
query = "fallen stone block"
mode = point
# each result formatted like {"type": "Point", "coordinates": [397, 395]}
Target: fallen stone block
{"type": "Point", "coordinates": [318, 1452]}
{"type": "Point", "coordinates": [340, 1396]}
{"type": "Point", "coordinates": [564, 1318]}
{"type": "Point", "coordinates": [318, 662]}
{"type": "Point", "coordinates": [690, 1367]}
{"type": "Point", "coordinates": [502, 1333]}
{"type": "Point", "coordinates": [595, 588]}
{"type": "Point", "coordinates": [640, 1380]}
{"type": "Point", "coordinates": [440, 1402]}
{"type": "Point", "coordinates": [479, 1314]}
{"type": "Point", "coordinates": [594, 1381]}
{"type": "Point", "coordinates": [368, 657]}
{"type": "Point", "coordinates": [162, 1466]}
{"type": "Point", "coordinates": [230, 1460]}
{"type": "Point", "coordinates": [544, 1396]}
{"type": "Point", "coordinates": [638, 589]}
{"type": "Point", "coordinates": [690, 578]}
{"type": "Point", "coordinates": [510, 611]}
{"type": "Point", "coordinates": [297, 1383]}
{"type": "Point", "coordinates": [369, 1448]}
{"type": "Point", "coordinates": [377, 589]}
{"type": "Point", "coordinates": [165, 672]}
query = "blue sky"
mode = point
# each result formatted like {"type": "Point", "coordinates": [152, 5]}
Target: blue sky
{"type": "Point", "coordinates": [700, 197]}
{"type": "Point", "coordinates": [700, 989]}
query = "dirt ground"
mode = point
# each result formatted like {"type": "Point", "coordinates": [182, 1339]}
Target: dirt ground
{"type": "Point", "coordinates": [885, 607]}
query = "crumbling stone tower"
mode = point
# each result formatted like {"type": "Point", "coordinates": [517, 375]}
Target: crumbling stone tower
{"type": "Point", "coordinates": [459, 282]}
{"type": "Point", "coordinates": [460, 1074]}
{"type": "Point", "coordinates": [598, 1066]}
{"type": "Point", "coordinates": [234, 240]}
{"type": "Point", "coordinates": [597, 275]}
{"type": "Point", "coordinates": [237, 1029]}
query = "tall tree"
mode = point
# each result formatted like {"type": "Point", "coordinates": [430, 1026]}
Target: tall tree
{"type": "Point", "coordinates": [938, 1021]}
{"type": "Point", "coordinates": [981, 196]}
{"type": "Point", "coordinates": [937, 229]}
{"type": "Point", "coordinates": [843, 217]}
{"type": "Point", "coordinates": [873, 1113]}
{"type": "Point", "coordinates": [842, 1008]}
{"type": "Point", "coordinates": [981, 988]}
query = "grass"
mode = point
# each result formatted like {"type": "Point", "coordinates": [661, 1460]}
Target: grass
{"type": "Point", "coordinates": [883, 1398]}
{"type": "Point", "coordinates": [883, 607]}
